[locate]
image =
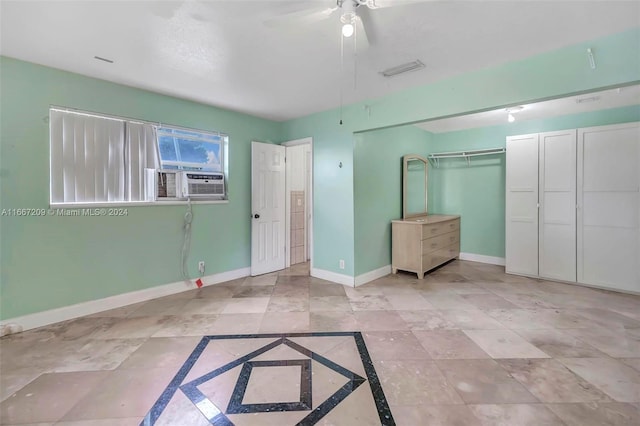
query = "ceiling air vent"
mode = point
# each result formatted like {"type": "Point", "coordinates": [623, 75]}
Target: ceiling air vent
{"type": "Point", "coordinates": [401, 69]}
{"type": "Point", "coordinates": [100, 58]}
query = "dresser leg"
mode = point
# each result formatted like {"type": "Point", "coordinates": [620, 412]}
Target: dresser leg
{"type": "Point", "coordinates": [420, 275]}
{"type": "Point", "coordinates": [394, 270]}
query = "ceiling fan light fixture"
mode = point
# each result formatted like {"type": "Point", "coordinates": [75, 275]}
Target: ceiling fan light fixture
{"type": "Point", "coordinates": [347, 30]}
{"type": "Point", "coordinates": [348, 19]}
{"type": "Point", "coordinates": [401, 69]}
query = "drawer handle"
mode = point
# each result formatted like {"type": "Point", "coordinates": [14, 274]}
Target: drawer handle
{"type": "Point", "coordinates": [433, 230]}
{"type": "Point", "coordinates": [434, 245]}
{"type": "Point", "coordinates": [452, 238]}
{"type": "Point", "coordinates": [451, 225]}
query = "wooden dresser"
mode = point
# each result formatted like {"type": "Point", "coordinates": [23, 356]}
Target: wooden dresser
{"type": "Point", "coordinates": [422, 243]}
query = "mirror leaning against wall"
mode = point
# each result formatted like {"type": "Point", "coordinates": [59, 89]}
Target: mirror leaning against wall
{"type": "Point", "coordinates": [414, 186]}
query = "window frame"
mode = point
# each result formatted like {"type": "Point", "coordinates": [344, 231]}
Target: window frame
{"type": "Point", "coordinates": [224, 164]}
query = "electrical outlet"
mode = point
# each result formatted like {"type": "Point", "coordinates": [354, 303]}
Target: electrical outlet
{"type": "Point", "coordinates": [341, 263]}
{"type": "Point", "coordinates": [201, 266]}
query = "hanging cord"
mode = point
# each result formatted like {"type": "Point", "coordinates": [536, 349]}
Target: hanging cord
{"type": "Point", "coordinates": [341, 73]}
{"type": "Point", "coordinates": [186, 243]}
{"type": "Point", "coordinates": [355, 51]}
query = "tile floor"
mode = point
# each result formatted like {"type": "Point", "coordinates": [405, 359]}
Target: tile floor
{"type": "Point", "coordinates": [468, 345]}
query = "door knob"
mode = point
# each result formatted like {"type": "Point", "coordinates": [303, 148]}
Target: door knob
{"type": "Point", "coordinates": [257, 216]}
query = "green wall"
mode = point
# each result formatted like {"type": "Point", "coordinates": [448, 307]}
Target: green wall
{"type": "Point", "coordinates": [377, 184]}
{"type": "Point", "coordinates": [549, 75]}
{"type": "Point", "coordinates": [332, 189]}
{"type": "Point", "coordinates": [50, 262]}
{"type": "Point", "coordinates": [57, 261]}
{"type": "Point", "coordinates": [477, 192]}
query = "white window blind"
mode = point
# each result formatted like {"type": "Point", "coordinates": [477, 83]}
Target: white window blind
{"type": "Point", "coordinates": [103, 159]}
{"type": "Point", "coordinates": [87, 158]}
{"type": "Point", "coordinates": [142, 153]}
{"type": "Point", "coordinates": [99, 159]}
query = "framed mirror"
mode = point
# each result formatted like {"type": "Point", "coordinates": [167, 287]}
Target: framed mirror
{"type": "Point", "coordinates": [414, 186]}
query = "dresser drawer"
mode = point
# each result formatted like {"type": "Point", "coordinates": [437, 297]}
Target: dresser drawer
{"type": "Point", "coordinates": [440, 241]}
{"type": "Point", "coordinates": [435, 258]}
{"type": "Point", "coordinates": [440, 256]}
{"type": "Point", "coordinates": [434, 229]}
{"type": "Point", "coordinates": [453, 250]}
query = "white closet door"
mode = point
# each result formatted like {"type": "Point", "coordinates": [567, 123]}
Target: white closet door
{"type": "Point", "coordinates": [521, 244]}
{"type": "Point", "coordinates": [558, 205]}
{"type": "Point", "coordinates": [609, 214]}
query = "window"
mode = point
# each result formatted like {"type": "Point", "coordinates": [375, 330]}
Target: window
{"type": "Point", "coordinates": [101, 159]}
{"type": "Point", "coordinates": [189, 150]}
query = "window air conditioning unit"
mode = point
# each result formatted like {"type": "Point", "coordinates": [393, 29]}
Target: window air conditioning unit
{"type": "Point", "coordinates": [203, 185]}
{"type": "Point", "coordinates": [163, 185]}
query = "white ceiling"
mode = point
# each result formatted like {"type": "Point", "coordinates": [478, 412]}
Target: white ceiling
{"type": "Point", "coordinates": [595, 101]}
{"type": "Point", "coordinates": [231, 54]}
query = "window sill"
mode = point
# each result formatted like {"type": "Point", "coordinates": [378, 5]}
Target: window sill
{"type": "Point", "coordinates": [134, 204]}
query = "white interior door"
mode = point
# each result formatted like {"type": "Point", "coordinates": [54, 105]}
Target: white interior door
{"type": "Point", "coordinates": [608, 206]}
{"type": "Point", "coordinates": [268, 208]}
{"type": "Point", "coordinates": [558, 205]}
{"type": "Point", "coordinates": [521, 233]}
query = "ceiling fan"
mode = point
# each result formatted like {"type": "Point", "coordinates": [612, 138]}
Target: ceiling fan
{"type": "Point", "coordinates": [354, 16]}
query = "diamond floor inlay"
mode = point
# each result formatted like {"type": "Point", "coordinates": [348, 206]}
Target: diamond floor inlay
{"type": "Point", "coordinates": [323, 383]}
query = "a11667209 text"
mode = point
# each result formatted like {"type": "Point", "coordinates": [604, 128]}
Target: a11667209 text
{"type": "Point", "coordinates": [84, 212]}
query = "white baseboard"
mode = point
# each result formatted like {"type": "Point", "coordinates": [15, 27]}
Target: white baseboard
{"type": "Point", "coordinates": [332, 276]}
{"type": "Point", "coordinates": [482, 258]}
{"type": "Point", "coordinates": [52, 316]}
{"type": "Point", "coordinates": [372, 275]}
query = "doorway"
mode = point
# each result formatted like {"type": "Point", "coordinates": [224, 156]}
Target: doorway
{"type": "Point", "coordinates": [299, 202]}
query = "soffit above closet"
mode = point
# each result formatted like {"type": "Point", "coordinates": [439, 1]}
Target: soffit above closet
{"type": "Point", "coordinates": [594, 101]}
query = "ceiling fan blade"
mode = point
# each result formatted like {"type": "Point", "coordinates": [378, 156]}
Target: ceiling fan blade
{"type": "Point", "coordinates": [379, 4]}
{"type": "Point", "coordinates": [364, 27]}
{"type": "Point", "coordinates": [362, 38]}
{"type": "Point", "coordinates": [301, 17]}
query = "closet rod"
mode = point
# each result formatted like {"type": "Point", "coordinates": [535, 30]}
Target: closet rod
{"type": "Point", "coordinates": [464, 154]}
{"type": "Point", "coordinates": [468, 153]}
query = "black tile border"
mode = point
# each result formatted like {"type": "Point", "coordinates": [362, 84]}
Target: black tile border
{"type": "Point", "coordinates": [215, 415]}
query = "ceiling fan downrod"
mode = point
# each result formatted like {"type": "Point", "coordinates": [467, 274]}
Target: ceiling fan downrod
{"type": "Point", "coordinates": [370, 3]}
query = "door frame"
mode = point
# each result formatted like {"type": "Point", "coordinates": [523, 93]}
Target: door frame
{"type": "Point", "coordinates": [308, 206]}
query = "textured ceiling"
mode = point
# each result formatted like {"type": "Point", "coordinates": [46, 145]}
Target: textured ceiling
{"type": "Point", "coordinates": [242, 56]}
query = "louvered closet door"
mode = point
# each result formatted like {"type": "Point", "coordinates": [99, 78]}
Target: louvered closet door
{"type": "Point", "coordinates": [557, 187]}
{"type": "Point", "coordinates": [521, 243]}
{"type": "Point", "coordinates": [608, 210]}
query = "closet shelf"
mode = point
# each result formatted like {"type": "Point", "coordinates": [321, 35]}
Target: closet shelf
{"type": "Point", "coordinates": [436, 156]}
